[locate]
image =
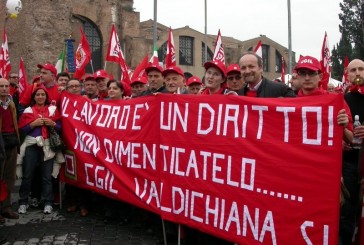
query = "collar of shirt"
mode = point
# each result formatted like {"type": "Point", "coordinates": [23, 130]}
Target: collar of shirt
{"type": "Point", "coordinates": [256, 87]}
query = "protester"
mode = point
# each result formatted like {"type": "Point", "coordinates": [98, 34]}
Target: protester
{"type": "Point", "coordinates": [351, 157]}
{"type": "Point", "coordinates": [115, 90]}
{"type": "Point", "coordinates": [251, 67]}
{"type": "Point", "coordinates": [62, 80]}
{"type": "Point", "coordinates": [234, 79]}
{"type": "Point", "coordinates": [194, 85]}
{"type": "Point", "coordinates": [174, 79]}
{"type": "Point", "coordinates": [90, 87]}
{"type": "Point", "coordinates": [14, 88]}
{"type": "Point", "coordinates": [35, 123]}
{"type": "Point", "coordinates": [295, 82]}
{"type": "Point", "coordinates": [138, 86]}
{"type": "Point", "coordinates": [74, 86]}
{"type": "Point", "coordinates": [10, 135]}
{"type": "Point", "coordinates": [215, 76]}
{"type": "Point", "coordinates": [331, 88]}
{"type": "Point", "coordinates": [102, 78]}
{"type": "Point", "coordinates": [155, 79]}
{"type": "Point", "coordinates": [48, 75]}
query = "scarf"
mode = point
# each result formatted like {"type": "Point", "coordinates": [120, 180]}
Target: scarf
{"type": "Point", "coordinates": [6, 104]}
{"type": "Point", "coordinates": [318, 91]}
{"type": "Point", "coordinates": [32, 113]}
{"type": "Point", "coordinates": [357, 88]}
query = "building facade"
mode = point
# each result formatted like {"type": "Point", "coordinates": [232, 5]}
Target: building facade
{"type": "Point", "coordinates": [38, 35]}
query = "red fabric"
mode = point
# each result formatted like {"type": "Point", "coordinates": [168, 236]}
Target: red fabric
{"type": "Point", "coordinates": [38, 112]}
{"type": "Point", "coordinates": [258, 49]}
{"type": "Point", "coordinates": [12, 90]}
{"type": "Point", "coordinates": [207, 91]}
{"type": "Point", "coordinates": [258, 168]}
{"type": "Point", "coordinates": [325, 63]}
{"type": "Point", "coordinates": [23, 81]}
{"type": "Point", "coordinates": [140, 69]}
{"type": "Point", "coordinates": [357, 88]}
{"type": "Point", "coordinates": [7, 123]}
{"type": "Point", "coordinates": [171, 53]}
{"type": "Point", "coordinates": [251, 93]}
{"type": "Point", "coordinates": [5, 66]}
{"type": "Point", "coordinates": [83, 56]}
{"type": "Point", "coordinates": [219, 53]}
{"type": "Point", "coordinates": [53, 94]}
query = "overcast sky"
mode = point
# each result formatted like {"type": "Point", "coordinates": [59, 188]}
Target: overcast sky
{"type": "Point", "coordinates": [243, 19]}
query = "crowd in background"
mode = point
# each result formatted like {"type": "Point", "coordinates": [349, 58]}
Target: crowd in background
{"type": "Point", "coordinates": [25, 122]}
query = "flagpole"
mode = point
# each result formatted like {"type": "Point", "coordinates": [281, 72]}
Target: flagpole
{"type": "Point", "coordinates": [155, 26]}
{"type": "Point", "coordinates": [289, 38]}
{"type": "Point", "coordinates": [205, 32]}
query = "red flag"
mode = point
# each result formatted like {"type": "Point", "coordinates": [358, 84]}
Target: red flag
{"type": "Point", "coordinates": [5, 66]}
{"type": "Point", "coordinates": [345, 79]}
{"type": "Point", "coordinates": [283, 72]}
{"type": "Point", "coordinates": [115, 54]}
{"type": "Point", "coordinates": [219, 49]}
{"type": "Point", "coordinates": [140, 69]}
{"type": "Point", "coordinates": [83, 56]}
{"type": "Point", "coordinates": [171, 54]}
{"type": "Point", "coordinates": [23, 81]}
{"type": "Point", "coordinates": [325, 63]}
{"type": "Point", "coordinates": [258, 49]}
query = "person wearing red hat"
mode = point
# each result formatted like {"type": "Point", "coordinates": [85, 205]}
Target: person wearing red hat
{"type": "Point", "coordinates": [102, 78]}
{"type": "Point", "coordinates": [194, 85]}
{"type": "Point", "coordinates": [138, 86]}
{"type": "Point", "coordinates": [234, 79]}
{"type": "Point", "coordinates": [174, 79]}
{"type": "Point", "coordinates": [155, 79]}
{"type": "Point", "coordinates": [251, 68]}
{"type": "Point", "coordinates": [90, 87]}
{"type": "Point", "coordinates": [48, 74]}
{"type": "Point", "coordinates": [215, 78]}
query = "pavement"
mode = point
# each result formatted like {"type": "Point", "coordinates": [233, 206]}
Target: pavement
{"type": "Point", "coordinates": [62, 227]}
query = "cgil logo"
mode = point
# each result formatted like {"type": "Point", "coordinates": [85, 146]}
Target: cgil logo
{"type": "Point", "coordinates": [307, 61]}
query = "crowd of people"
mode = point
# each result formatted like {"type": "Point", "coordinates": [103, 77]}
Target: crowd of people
{"type": "Point", "coordinates": [25, 122]}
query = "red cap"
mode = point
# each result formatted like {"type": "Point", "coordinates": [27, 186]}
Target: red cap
{"type": "Point", "coordinates": [217, 64]}
{"type": "Point", "coordinates": [233, 68]}
{"type": "Point", "coordinates": [48, 67]}
{"type": "Point", "coordinates": [308, 62]}
{"type": "Point", "coordinates": [153, 67]}
{"type": "Point", "coordinates": [35, 79]}
{"type": "Point", "coordinates": [101, 74]}
{"type": "Point", "coordinates": [192, 80]}
{"type": "Point", "coordinates": [139, 79]}
{"type": "Point", "coordinates": [173, 69]}
{"type": "Point", "coordinates": [88, 76]}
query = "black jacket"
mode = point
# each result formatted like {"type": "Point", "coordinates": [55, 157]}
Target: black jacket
{"type": "Point", "coordinates": [270, 89]}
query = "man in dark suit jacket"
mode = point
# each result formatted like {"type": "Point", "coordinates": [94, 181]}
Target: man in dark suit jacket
{"type": "Point", "coordinates": [251, 68]}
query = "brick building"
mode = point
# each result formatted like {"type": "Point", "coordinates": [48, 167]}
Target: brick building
{"type": "Point", "coordinates": [39, 31]}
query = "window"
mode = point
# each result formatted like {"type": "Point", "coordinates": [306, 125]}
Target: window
{"type": "Point", "coordinates": [278, 62]}
{"type": "Point", "coordinates": [162, 51]}
{"type": "Point", "coordinates": [265, 53]}
{"type": "Point", "coordinates": [186, 50]}
{"type": "Point", "coordinates": [209, 54]}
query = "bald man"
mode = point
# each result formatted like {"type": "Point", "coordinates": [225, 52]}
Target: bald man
{"type": "Point", "coordinates": [350, 168]}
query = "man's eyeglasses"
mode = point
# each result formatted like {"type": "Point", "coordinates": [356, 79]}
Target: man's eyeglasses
{"type": "Point", "coordinates": [236, 77]}
{"type": "Point", "coordinates": [305, 73]}
{"type": "Point", "coordinates": [15, 77]}
{"type": "Point", "coordinates": [74, 86]}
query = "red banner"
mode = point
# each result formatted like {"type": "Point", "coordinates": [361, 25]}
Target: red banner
{"type": "Point", "coordinates": [252, 171]}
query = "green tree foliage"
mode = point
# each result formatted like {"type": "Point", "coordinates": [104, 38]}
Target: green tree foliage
{"type": "Point", "coordinates": [352, 35]}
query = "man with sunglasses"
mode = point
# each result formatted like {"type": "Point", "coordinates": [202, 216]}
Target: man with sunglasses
{"type": "Point", "coordinates": [234, 79]}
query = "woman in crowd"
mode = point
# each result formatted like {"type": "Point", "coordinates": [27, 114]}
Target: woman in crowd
{"type": "Point", "coordinates": [115, 90]}
{"type": "Point", "coordinates": [215, 78]}
{"type": "Point", "coordinates": [35, 123]}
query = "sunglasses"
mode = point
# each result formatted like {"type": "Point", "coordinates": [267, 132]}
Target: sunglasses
{"type": "Point", "coordinates": [236, 77]}
{"type": "Point", "coordinates": [16, 77]}
{"type": "Point", "coordinates": [305, 73]}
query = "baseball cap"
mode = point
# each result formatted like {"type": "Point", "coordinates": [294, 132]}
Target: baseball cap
{"type": "Point", "coordinates": [48, 67]}
{"type": "Point", "coordinates": [233, 68]}
{"type": "Point", "coordinates": [152, 67]}
{"type": "Point", "coordinates": [217, 64]}
{"type": "Point", "coordinates": [173, 69]}
{"type": "Point", "coordinates": [88, 76]}
{"type": "Point", "coordinates": [140, 79]}
{"type": "Point", "coordinates": [308, 62]}
{"type": "Point", "coordinates": [101, 74]}
{"type": "Point", "coordinates": [192, 80]}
